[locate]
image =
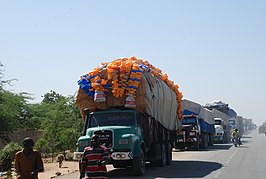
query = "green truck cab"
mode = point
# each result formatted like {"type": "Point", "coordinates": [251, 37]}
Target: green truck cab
{"type": "Point", "coordinates": [130, 138]}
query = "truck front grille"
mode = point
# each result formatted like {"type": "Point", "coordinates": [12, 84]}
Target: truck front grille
{"type": "Point", "coordinates": [106, 137]}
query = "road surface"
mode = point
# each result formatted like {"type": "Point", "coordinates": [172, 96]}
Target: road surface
{"type": "Point", "coordinates": [222, 161]}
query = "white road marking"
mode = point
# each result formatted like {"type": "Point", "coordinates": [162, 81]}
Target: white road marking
{"type": "Point", "coordinates": [218, 173]}
{"type": "Point", "coordinates": [227, 162]}
{"type": "Point", "coordinates": [231, 157]}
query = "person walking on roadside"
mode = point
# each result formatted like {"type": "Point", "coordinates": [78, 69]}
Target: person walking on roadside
{"type": "Point", "coordinates": [28, 162]}
{"type": "Point", "coordinates": [236, 137]}
{"type": "Point", "coordinates": [60, 159]}
{"type": "Point", "coordinates": [94, 160]}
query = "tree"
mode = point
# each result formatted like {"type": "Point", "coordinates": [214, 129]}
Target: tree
{"type": "Point", "coordinates": [52, 97]}
{"type": "Point", "coordinates": [61, 123]}
{"type": "Point", "coordinates": [7, 155]}
{"type": "Point", "coordinates": [56, 115]}
{"type": "Point", "coordinates": [3, 82]}
{"type": "Point", "coordinates": [14, 110]}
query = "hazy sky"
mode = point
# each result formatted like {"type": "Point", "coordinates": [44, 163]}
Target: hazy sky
{"type": "Point", "coordinates": [214, 50]}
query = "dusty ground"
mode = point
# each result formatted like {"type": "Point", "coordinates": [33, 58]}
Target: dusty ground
{"type": "Point", "coordinates": [51, 168]}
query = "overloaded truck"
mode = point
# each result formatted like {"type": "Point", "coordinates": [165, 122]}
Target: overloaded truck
{"type": "Point", "coordinates": [134, 108]}
{"type": "Point", "coordinates": [197, 127]}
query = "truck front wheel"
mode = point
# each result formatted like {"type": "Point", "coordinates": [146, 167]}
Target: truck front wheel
{"type": "Point", "coordinates": [197, 144]}
{"type": "Point", "coordinates": [139, 164]}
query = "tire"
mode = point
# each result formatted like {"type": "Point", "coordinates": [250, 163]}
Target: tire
{"type": "Point", "coordinates": [139, 164]}
{"type": "Point", "coordinates": [203, 141]}
{"type": "Point", "coordinates": [169, 159]}
{"type": "Point", "coordinates": [210, 140]}
{"type": "Point", "coordinates": [206, 144]}
{"type": "Point", "coordinates": [225, 141]}
{"type": "Point", "coordinates": [162, 160]}
{"type": "Point", "coordinates": [197, 144]}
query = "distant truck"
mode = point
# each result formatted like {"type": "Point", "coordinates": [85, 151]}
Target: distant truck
{"type": "Point", "coordinates": [219, 130]}
{"type": "Point", "coordinates": [222, 127]}
{"type": "Point", "coordinates": [197, 127]}
{"type": "Point", "coordinates": [136, 128]}
{"type": "Point", "coordinates": [233, 123]}
{"type": "Point", "coordinates": [262, 129]}
{"type": "Point", "coordinates": [240, 125]}
{"type": "Point", "coordinates": [225, 121]}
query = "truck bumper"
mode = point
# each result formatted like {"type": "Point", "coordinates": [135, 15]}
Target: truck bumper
{"type": "Point", "coordinates": [189, 143]}
{"type": "Point", "coordinates": [185, 145]}
{"type": "Point", "coordinates": [121, 156]}
{"type": "Point", "coordinates": [218, 138]}
{"type": "Point", "coordinates": [113, 155]}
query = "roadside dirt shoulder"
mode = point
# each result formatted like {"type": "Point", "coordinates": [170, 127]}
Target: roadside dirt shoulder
{"type": "Point", "coordinates": [52, 169]}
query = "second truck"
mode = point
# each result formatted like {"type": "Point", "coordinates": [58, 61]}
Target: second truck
{"type": "Point", "coordinates": [197, 127]}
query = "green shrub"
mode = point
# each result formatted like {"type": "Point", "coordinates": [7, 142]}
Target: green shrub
{"type": "Point", "coordinates": [7, 155]}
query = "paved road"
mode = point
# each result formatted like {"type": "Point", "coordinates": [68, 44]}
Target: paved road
{"type": "Point", "coordinates": [222, 161]}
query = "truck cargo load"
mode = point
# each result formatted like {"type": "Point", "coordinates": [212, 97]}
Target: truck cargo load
{"type": "Point", "coordinates": [197, 109]}
{"type": "Point", "coordinates": [153, 97]}
{"type": "Point", "coordinates": [134, 108]}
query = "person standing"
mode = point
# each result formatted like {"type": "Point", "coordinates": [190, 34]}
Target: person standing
{"type": "Point", "coordinates": [28, 162]}
{"type": "Point", "coordinates": [94, 160]}
{"type": "Point", "coordinates": [236, 137]}
{"type": "Point", "coordinates": [60, 159]}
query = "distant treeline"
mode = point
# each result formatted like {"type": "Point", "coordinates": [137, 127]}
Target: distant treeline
{"type": "Point", "coordinates": [56, 116]}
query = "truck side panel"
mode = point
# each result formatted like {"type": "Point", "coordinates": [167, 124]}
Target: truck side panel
{"type": "Point", "coordinates": [155, 135]}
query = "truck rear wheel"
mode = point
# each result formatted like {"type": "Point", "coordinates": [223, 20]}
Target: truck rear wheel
{"type": "Point", "coordinates": [139, 164]}
{"type": "Point", "coordinates": [162, 160]}
{"type": "Point", "coordinates": [168, 154]}
{"type": "Point", "coordinates": [210, 140]}
{"type": "Point", "coordinates": [206, 141]}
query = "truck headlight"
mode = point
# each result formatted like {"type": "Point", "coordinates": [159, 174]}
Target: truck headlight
{"type": "Point", "coordinates": [121, 155]}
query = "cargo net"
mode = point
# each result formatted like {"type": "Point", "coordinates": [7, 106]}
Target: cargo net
{"type": "Point", "coordinates": [122, 82]}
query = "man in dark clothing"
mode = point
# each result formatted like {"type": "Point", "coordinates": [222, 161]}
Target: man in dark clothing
{"type": "Point", "coordinates": [94, 160]}
{"type": "Point", "coordinates": [60, 159]}
{"type": "Point", "coordinates": [28, 162]}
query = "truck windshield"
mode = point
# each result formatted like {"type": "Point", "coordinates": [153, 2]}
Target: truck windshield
{"type": "Point", "coordinates": [186, 121]}
{"type": "Point", "coordinates": [112, 119]}
{"type": "Point", "coordinates": [218, 122]}
{"type": "Point", "coordinates": [232, 122]}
